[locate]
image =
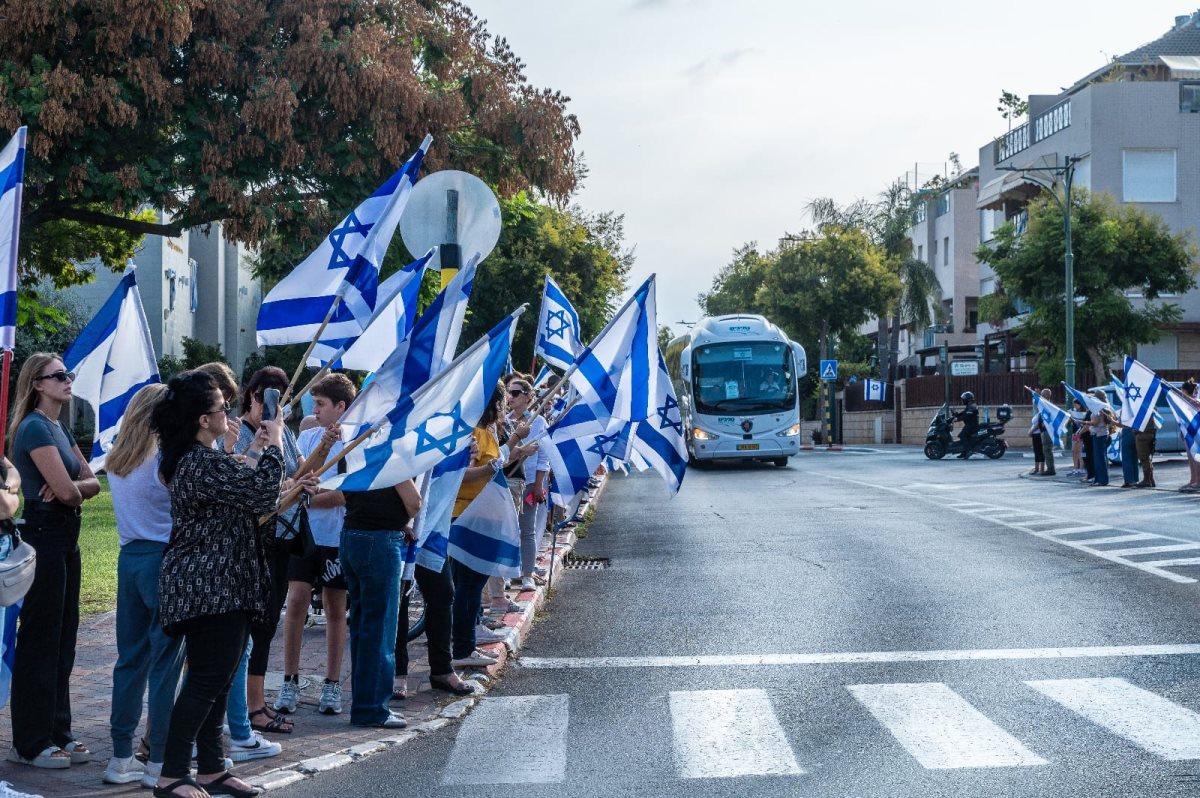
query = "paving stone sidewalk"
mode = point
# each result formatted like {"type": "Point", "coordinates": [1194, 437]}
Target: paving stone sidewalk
{"type": "Point", "coordinates": [319, 742]}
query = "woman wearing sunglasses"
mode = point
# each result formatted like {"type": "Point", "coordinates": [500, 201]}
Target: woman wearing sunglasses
{"type": "Point", "coordinates": [55, 481]}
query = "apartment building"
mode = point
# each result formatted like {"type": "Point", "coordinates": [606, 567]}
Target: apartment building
{"type": "Point", "coordinates": [1135, 124]}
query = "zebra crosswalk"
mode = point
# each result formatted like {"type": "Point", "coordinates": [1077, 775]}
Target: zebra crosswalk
{"type": "Point", "coordinates": [729, 734]}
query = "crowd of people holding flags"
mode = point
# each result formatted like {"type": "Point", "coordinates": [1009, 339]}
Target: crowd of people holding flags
{"type": "Point", "coordinates": [1098, 433]}
{"type": "Point", "coordinates": [433, 470]}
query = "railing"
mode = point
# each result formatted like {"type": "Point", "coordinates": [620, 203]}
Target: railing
{"type": "Point", "coordinates": [1042, 127]}
{"type": "Point", "coordinates": [989, 389]}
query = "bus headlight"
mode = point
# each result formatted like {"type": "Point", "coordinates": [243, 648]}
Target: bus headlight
{"type": "Point", "coordinates": [701, 435]}
{"type": "Point", "coordinates": [791, 431]}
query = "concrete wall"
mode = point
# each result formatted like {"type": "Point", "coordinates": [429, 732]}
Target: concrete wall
{"type": "Point", "coordinates": [915, 424]}
{"type": "Point", "coordinates": [874, 426]}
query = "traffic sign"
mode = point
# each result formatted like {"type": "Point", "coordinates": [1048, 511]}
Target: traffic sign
{"type": "Point", "coordinates": [964, 368]}
{"type": "Point", "coordinates": [828, 370]}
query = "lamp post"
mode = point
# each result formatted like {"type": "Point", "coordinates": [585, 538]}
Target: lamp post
{"type": "Point", "coordinates": [1067, 173]}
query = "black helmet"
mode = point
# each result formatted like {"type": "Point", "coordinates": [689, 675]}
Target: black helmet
{"type": "Point", "coordinates": [967, 397]}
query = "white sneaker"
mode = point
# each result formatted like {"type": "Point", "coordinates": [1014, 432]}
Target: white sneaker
{"type": "Point", "coordinates": [257, 747]}
{"type": "Point", "coordinates": [486, 635]}
{"type": "Point", "coordinates": [331, 699]}
{"type": "Point", "coordinates": [527, 583]}
{"type": "Point", "coordinates": [288, 698]}
{"type": "Point", "coordinates": [477, 659]}
{"type": "Point", "coordinates": [195, 754]}
{"type": "Point", "coordinates": [151, 775]}
{"type": "Point", "coordinates": [123, 771]}
{"type": "Point", "coordinates": [7, 791]}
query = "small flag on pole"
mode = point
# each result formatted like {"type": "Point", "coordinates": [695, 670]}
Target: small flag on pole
{"type": "Point", "coordinates": [113, 359]}
{"type": "Point", "coordinates": [12, 176]}
{"type": "Point", "coordinates": [558, 341]}
{"type": "Point", "coordinates": [874, 390]}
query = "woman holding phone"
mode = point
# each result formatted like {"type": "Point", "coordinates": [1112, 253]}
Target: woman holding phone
{"type": "Point", "coordinates": [55, 481]}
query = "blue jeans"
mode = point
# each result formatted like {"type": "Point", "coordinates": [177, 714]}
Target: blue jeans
{"type": "Point", "coordinates": [371, 563]}
{"type": "Point", "coordinates": [145, 653]}
{"type": "Point", "coordinates": [237, 711]}
{"type": "Point", "coordinates": [1129, 458]}
{"type": "Point", "coordinates": [1100, 459]}
{"type": "Point", "coordinates": [468, 595]}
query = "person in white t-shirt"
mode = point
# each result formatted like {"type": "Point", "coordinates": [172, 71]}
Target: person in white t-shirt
{"type": "Point", "coordinates": [321, 568]}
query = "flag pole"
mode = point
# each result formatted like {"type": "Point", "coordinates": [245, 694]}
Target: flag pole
{"type": "Point", "coordinates": [289, 498]}
{"type": "Point", "coordinates": [4, 398]}
{"type": "Point", "coordinates": [337, 300]}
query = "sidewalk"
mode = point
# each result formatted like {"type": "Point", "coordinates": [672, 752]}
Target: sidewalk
{"type": "Point", "coordinates": [319, 743]}
{"type": "Point", "coordinates": [1170, 474]}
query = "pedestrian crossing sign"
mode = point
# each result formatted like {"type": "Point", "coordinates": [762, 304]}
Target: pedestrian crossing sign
{"type": "Point", "coordinates": [828, 370]}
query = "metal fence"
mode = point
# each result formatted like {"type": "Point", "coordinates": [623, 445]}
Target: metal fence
{"type": "Point", "coordinates": [854, 402]}
{"type": "Point", "coordinates": [989, 389]}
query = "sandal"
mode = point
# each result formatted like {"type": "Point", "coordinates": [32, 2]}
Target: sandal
{"type": "Point", "coordinates": [227, 789]}
{"type": "Point", "coordinates": [142, 754]}
{"type": "Point", "coordinates": [169, 790]}
{"type": "Point", "coordinates": [462, 688]}
{"type": "Point", "coordinates": [51, 757]}
{"type": "Point", "coordinates": [80, 755]}
{"type": "Point", "coordinates": [400, 693]}
{"type": "Point", "coordinates": [276, 724]}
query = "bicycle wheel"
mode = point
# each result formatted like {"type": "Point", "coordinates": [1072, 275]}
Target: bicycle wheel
{"type": "Point", "coordinates": [416, 612]}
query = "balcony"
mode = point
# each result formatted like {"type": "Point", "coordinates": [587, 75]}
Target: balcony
{"type": "Point", "coordinates": [1040, 128]}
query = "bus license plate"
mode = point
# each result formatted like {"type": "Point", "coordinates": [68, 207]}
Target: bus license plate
{"type": "Point", "coordinates": [747, 447]}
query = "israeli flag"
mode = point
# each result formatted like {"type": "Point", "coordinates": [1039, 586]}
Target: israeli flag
{"type": "Point", "coordinates": [390, 324]}
{"type": "Point", "coordinates": [12, 177]}
{"type": "Point", "coordinates": [659, 440]}
{"type": "Point", "coordinates": [542, 377]}
{"type": "Point", "coordinates": [420, 356]}
{"type": "Point", "coordinates": [616, 373]}
{"type": "Point", "coordinates": [345, 265]}
{"type": "Point", "coordinates": [433, 522]}
{"type": "Point", "coordinates": [486, 537]}
{"type": "Point", "coordinates": [874, 390]}
{"type": "Point", "coordinates": [1189, 421]}
{"type": "Point", "coordinates": [1086, 399]}
{"type": "Point", "coordinates": [435, 421]}
{"type": "Point", "coordinates": [1139, 394]}
{"type": "Point", "coordinates": [8, 648]}
{"type": "Point", "coordinates": [573, 460]}
{"type": "Point", "coordinates": [1054, 417]}
{"type": "Point", "coordinates": [113, 358]}
{"type": "Point", "coordinates": [559, 334]}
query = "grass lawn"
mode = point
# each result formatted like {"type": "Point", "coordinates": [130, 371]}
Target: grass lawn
{"type": "Point", "coordinates": [99, 547]}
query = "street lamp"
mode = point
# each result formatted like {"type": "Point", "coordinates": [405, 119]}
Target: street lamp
{"type": "Point", "coordinates": [1067, 172]}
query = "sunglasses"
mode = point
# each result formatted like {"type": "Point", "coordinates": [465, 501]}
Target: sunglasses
{"type": "Point", "coordinates": [517, 392]}
{"type": "Point", "coordinates": [61, 375]}
{"type": "Point", "coordinates": [225, 408]}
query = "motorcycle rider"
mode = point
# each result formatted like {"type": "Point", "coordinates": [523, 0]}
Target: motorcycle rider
{"type": "Point", "coordinates": [969, 416]}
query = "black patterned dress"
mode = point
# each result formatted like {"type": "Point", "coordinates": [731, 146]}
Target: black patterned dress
{"type": "Point", "coordinates": [216, 561]}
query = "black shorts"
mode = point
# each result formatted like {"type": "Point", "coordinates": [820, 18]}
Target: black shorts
{"type": "Point", "coordinates": [321, 568]}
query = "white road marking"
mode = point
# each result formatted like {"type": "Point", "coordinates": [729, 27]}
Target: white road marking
{"type": "Point", "coordinates": [940, 728]}
{"type": "Point", "coordinates": [1145, 719]}
{"type": "Point", "coordinates": [1169, 563]}
{"type": "Point", "coordinates": [1156, 549]}
{"type": "Point", "coordinates": [1053, 535]}
{"type": "Point", "coordinates": [1120, 539]}
{"type": "Point", "coordinates": [511, 740]}
{"type": "Point", "coordinates": [855, 658]}
{"type": "Point", "coordinates": [729, 733]}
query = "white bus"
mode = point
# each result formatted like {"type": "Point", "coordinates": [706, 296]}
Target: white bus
{"type": "Point", "coordinates": [735, 377]}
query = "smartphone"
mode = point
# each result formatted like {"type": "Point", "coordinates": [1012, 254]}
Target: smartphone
{"type": "Point", "coordinates": [270, 404]}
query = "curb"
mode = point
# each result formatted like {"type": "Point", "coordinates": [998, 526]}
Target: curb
{"type": "Point", "coordinates": [1075, 481]}
{"type": "Point", "coordinates": [505, 652]}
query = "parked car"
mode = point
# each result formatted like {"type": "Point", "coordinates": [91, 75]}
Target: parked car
{"type": "Point", "coordinates": [1168, 440]}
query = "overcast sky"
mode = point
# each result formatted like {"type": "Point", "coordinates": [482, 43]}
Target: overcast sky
{"type": "Point", "coordinates": [710, 124]}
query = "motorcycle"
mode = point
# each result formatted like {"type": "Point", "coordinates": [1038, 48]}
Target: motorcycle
{"type": "Point", "coordinates": [940, 440]}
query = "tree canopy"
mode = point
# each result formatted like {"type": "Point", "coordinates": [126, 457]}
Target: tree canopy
{"type": "Point", "coordinates": [1125, 261]}
{"type": "Point", "coordinates": [271, 116]}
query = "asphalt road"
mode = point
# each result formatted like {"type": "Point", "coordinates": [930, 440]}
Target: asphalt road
{"type": "Point", "coordinates": [863, 624]}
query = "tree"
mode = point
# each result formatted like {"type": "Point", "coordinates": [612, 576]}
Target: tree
{"type": "Point", "coordinates": [271, 116]}
{"type": "Point", "coordinates": [735, 287]}
{"type": "Point", "coordinates": [584, 252]}
{"type": "Point", "coordinates": [1118, 250]}
{"type": "Point", "coordinates": [665, 336]}
{"type": "Point", "coordinates": [1011, 107]}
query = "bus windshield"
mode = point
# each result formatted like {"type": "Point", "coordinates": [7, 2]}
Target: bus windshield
{"type": "Point", "coordinates": [749, 377]}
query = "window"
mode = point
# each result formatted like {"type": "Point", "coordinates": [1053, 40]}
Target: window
{"type": "Point", "coordinates": [946, 251]}
{"type": "Point", "coordinates": [1162, 354]}
{"type": "Point", "coordinates": [933, 251]}
{"type": "Point", "coordinates": [987, 286]}
{"type": "Point", "coordinates": [1189, 98]}
{"type": "Point", "coordinates": [920, 253]}
{"type": "Point", "coordinates": [988, 224]}
{"type": "Point", "coordinates": [1149, 175]}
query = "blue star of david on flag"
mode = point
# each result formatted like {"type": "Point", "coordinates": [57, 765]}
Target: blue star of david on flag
{"type": "Point", "coordinates": [337, 239]}
{"type": "Point", "coordinates": [1135, 391]}
{"type": "Point", "coordinates": [557, 324]}
{"type": "Point", "coordinates": [602, 442]}
{"type": "Point", "coordinates": [664, 414]}
{"type": "Point", "coordinates": [428, 441]}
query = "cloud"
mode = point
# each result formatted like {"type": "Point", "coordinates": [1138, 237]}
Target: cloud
{"type": "Point", "coordinates": [648, 5]}
{"type": "Point", "coordinates": [713, 65]}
